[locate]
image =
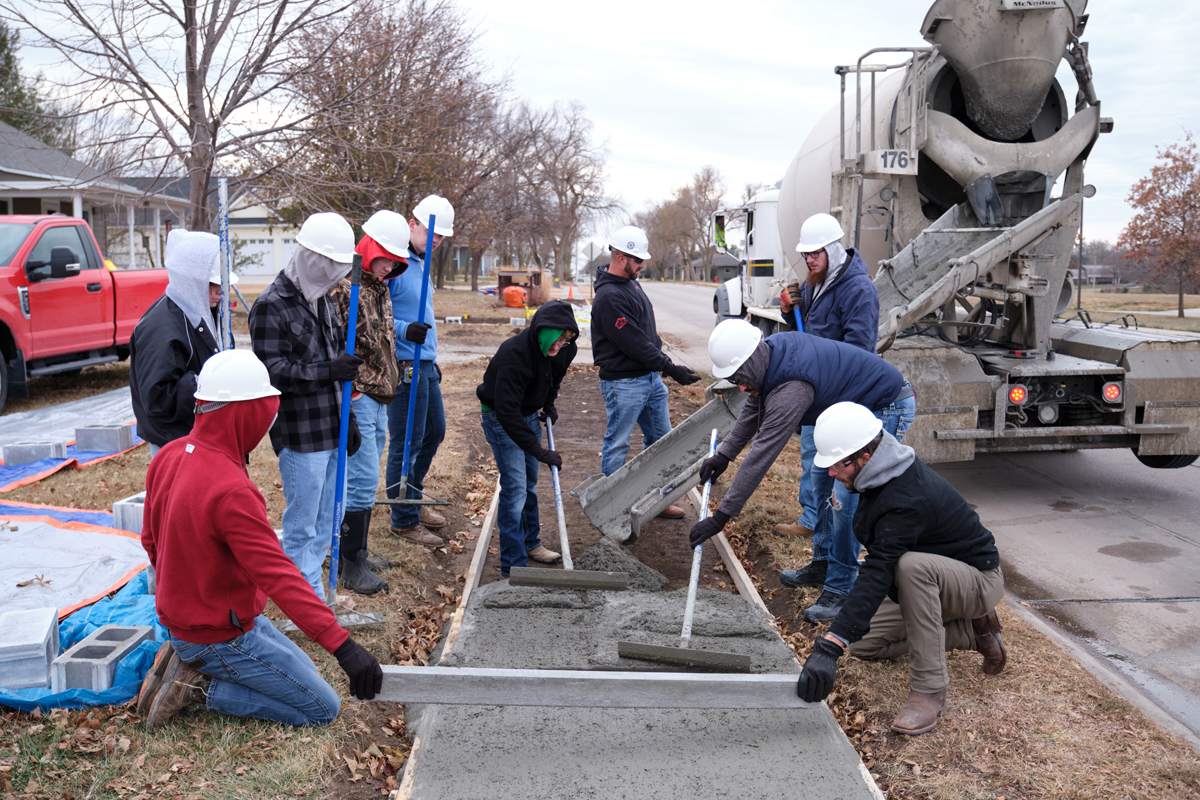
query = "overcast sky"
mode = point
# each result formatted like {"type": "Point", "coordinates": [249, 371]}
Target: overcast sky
{"type": "Point", "coordinates": [739, 85]}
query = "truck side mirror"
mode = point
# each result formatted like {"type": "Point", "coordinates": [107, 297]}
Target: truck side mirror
{"type": "Point", "coordinates": [64, 262]}
{"type": "Point", "coordinates": [719, 232]}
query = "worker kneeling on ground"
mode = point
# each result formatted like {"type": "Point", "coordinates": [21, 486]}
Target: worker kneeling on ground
{"type": "Point", "coordinates": [217, 561]}
{"type": "Point", "coordinates": [931, 578]}
{"type": "Point", "coordinates": [519, 387]}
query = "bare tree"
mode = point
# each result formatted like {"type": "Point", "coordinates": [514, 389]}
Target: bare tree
{"type": "Point", "coordinates": [700, 199]}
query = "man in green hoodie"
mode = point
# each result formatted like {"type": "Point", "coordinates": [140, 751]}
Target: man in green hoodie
{"type": "Point", "coordinates": [518, 391]}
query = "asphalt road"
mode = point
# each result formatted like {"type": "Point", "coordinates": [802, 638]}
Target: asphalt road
{"type": "Point", "coordinates": [1101, 548]}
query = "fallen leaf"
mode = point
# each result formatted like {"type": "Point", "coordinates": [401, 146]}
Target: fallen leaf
{"type": "Point", "coordinates": [139, 761]}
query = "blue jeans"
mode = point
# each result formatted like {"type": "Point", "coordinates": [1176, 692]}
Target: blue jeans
{"type": "Point", "coordinates": [429, 429]}
{"type": "Point", "coordinates": [517, 510]}
{"type": "Point", "coordinates": [833, 536]}
{"type": "Point", "coordinates": [262, 674]}
{"type": "Point", "coordinates": [628, 401]}
{"type": "Point", "coordinates": [362, 468]}
{"type": "Point", "coordinates": [309, 487]}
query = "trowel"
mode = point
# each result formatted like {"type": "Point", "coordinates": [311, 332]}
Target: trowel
{"type": "Point", "coordinates": [568, 577]}
{"type": "Point", "coordinates": [684, 655]}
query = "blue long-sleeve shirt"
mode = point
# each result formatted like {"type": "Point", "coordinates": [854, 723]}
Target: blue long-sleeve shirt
{"type": "Point", "coordinates": [405, 290]}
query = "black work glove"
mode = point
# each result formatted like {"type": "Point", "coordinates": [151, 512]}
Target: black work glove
{"type": "Point", "coordinates": [344, 367]}
{"type": "Point", "coordinates": [820, 671]}
{"type": "Point", "coordinates": [416, 332]}
{"type": "Point", "coordinates": [681, 374]}
{"type": "Point", "coordinates": [353, 437]}
{"type": "Point", "coordinates": [362, 668]}
{"type": "Point", "coordinates": [712, 467]}
{"type": "Point", "coordinates": [551, 458]}
{"type": "Point", "coordinates": [550, 411]}
{"type": "Point", "coordinates": [705, 529]}
{"type": "Point", "coordinates": [793, 293]}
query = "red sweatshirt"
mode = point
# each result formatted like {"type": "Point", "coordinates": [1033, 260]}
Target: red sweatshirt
{"type": "Point", "coordinates": [206, 530]}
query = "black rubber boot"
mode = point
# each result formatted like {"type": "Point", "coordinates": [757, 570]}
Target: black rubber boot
{"type": "Point", "coordinates": [377, 563]}
{"type": "Point", "coordinates": [353, 571]}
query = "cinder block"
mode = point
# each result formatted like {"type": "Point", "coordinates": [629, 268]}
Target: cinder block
{"type": "Point", "coordinates": [127, 513]}
{"type": "Point", "coordinates": [23, 453]}
{"type": "Point", "coordinates": [92, 663]}
{"type": "Point", "coordinates": [104, 438]}
{"type": "Point", "coordinates": [454, 320]}
{"type": "Point", "coordinates": [28, 645]}
{"type": "Point", "coordinates": [517, 322]}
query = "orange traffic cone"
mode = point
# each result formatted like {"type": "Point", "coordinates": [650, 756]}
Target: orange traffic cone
{"type": "Point", "coordinates": [571, 292]}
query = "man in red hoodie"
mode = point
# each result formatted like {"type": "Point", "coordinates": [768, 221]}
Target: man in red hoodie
{"type": "Point", "coordinates": [217, 560]}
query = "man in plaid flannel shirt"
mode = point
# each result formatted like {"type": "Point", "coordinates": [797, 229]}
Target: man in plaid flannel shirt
{"type": "Point", "coordinates": [295, 331]}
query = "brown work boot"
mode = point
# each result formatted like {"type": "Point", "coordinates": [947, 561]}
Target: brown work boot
{"type": "Point", "coordinates": [791, 529]}
{"type": "Point", "coordinates": [418, 535]}
{"type": "Point", "coordinates": [431, 518]}
{"type": "Point", "coordinates": [153, 680]}
{"type": "Point", "coordinates": [988, 642]}
{"type": "Point", "coordinates": [920, 713]}
{"type": "Point", "coordinates": [181, 686]}
{"type": "Point", "coordinates": [672, 512]}
{"type": "Point", "coordinates": [543, 555]}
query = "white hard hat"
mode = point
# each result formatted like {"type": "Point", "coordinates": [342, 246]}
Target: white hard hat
{"type": "Point", "coordinates": [233, 375]}
{"type": "Point", "coordinates": [328, 234]}
{"type": "Point", "coordinates": [440, 208]}
{"type": "Point", "coordinates": [216, 278]}
{"type": "Point", "coordinates": [730, 344]}
{"type": "Point", "coordinates": [631, 240]}
{"type": "Point", "coordinates": [842, 430]}
{"type": "Point", "coordinates": [817, 231]}
{"type": "Point", "coordinates": [390, 230]}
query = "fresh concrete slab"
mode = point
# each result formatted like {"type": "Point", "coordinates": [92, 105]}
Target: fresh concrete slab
{"type": "Point", "coordinates": [92, 662]}
{"type": "Point", "coordinates": [26, 452]}
{"type": "Point", "coordinates": [104, 438]}
{"type": "Point", "coordinates": [28, 645]}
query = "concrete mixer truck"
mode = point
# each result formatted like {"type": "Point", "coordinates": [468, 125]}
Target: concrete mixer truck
{"type": "Point", "coordinates": [957, 171]}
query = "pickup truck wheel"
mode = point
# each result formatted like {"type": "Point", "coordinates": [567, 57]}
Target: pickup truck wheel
{"type": "Point", "coordinates": [1166, 461]}
{"type": "Point", "coordinates": [3, 381]}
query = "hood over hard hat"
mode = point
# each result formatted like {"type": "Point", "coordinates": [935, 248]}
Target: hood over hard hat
{"type": "Point", "coordinates": [323, 259]}
{"type": "Point", "coordinates": [236, 403]}
{"type": "Point", "coordinates": [191, 257]}
{"type": "Point", "coordinates": [370, 250]}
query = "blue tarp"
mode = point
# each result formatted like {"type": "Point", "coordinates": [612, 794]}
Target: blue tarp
{"type": "Point", "coordinates": [23, 474]}
{"type": "Point", "coordinates": [101, 518]}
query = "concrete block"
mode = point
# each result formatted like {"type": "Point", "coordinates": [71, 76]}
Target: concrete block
{"type": "Point", "coordinates": [127, 513]}
{"type": "Point", "coordinates": [517, 322]}
{"type": "Point", "coordinates": [92, 663]}
{"type": "Point", "coordinates": [454, 320]}
{"type": "Point", "coordinates": [28, 645]}
{"type": "Point", "coordinates": [23, 453]}
{"type": "Point", "coordinates": [104, 438]}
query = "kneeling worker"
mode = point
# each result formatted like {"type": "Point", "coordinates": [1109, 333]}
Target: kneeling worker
{"type": "Point", "coordinates": [519, 386]}
{"type": "Point", "coordinates": [217, 560]}
{"type": "Point", "coordinates": [931, 579]}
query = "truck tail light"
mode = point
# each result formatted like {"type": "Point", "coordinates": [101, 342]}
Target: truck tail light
{"type": "Point", "coordinates": [1018, 394]}
{"type": "Point", "coordinates": [1111, 392]}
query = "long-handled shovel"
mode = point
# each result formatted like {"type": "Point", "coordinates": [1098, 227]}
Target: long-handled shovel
{"type": "Point", "coordinates": [343, 434]}
{"type": "Point", "coordinates": [569, 578]}
{"type": "Point", "coordinates": [684, 655]}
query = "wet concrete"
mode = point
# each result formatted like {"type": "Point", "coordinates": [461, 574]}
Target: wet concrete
{"type": "Point", "coordinates": [608, 556]}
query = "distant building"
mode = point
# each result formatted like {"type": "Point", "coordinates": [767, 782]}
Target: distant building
{"type": "Point", "coordinates": [1096, 274]}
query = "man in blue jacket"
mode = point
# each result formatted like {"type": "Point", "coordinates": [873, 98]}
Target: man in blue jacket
{"type": "Point", "coordinates": [419, 383]}
{"type": "Point", "coordinates": [628, 351]}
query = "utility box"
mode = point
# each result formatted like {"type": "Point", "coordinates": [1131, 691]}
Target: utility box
{"type": "Point", "coordinates": [92, 663]}
{"type": "Point", "coordinates": [27, 452]}
{"type": "Point", "coordinates": [537, 284]}
{"type": "Point", "coordinates": [28, 645]}
{"type": "Point", "coordinates": [104, 438]}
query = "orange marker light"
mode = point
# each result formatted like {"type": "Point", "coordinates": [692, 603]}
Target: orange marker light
{"type": "Point", "coordinates": [1017, 395]}
{"type": "Point", "coordinates": [1111, 392]}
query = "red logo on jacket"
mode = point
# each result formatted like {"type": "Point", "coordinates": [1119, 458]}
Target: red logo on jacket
{"type": "Point", "coordinates": [620, 323]}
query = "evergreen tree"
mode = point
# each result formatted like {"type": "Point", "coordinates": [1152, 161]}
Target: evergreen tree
{"type": "Point", "coordinates": [21, 102]}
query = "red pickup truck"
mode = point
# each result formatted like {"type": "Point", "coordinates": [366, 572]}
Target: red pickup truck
{"type": "Point", "coordinates": [60, 309]}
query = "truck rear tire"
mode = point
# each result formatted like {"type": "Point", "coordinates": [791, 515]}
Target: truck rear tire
{"type": "Point", "coordinates": [1166, 462]}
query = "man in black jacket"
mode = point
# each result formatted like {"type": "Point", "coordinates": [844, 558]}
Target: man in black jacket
{"type": "Point", "coordinates": [931, 579]}
{"type": "Point", "coordinates": [628, 351]}
{"type": "Point", "coordinates": [519, 387]}
{"type": "Point", "coordinates": [172, 341]}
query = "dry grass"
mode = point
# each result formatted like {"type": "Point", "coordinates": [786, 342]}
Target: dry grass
{"type": "Point", "coordinates": [1094, 299]}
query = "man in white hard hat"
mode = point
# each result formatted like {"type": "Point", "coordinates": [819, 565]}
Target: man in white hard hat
{"type": "Point", "coordinates": [294, 329]}
{"type": "Point", "coordinates": [838, 301]}
{"type": "Point", "coordinates": [172, 340]}
{"type": "Point", "coordinates": [420, 384]}
{"type": "Point", "coordinates": [628, 351]}
{"type": "Point", "coordinates": [214, 300]}
{"type": "Point", "coordinates": [384, 251]}
{"type": "Point", "coordinates": [931, 578]}
{"type": "Point", "coordinates": [217, 561]}
{"type": "Point", "coordinates": [791, 378]}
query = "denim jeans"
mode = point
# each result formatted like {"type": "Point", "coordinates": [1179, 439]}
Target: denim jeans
{"type": "Point", "coordinates": [262, 674]}
{"type": "Point", "coordinates": [517, 510]}
{"type": "Point", "coordinates": [833, 536]}
{"type": "Point", "coordinates": [309, 487]}
{"type": "Point", "coordinates": [429, 429]}
{"type": "Point", "coordinates": [628, 401]}
{"type": "Point", "coordinates": [362, 468]}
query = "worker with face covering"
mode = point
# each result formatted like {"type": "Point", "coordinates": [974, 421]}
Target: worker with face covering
{"type": "Point", "coordinates": [295, 331]}
{"type": "Point", "coordinates": [172, 341]}
{"type": "Point", "coordinates": [214, 300]}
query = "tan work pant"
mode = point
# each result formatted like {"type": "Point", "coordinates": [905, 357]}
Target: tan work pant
{"type": "Point", "coordinates": [939, 597]}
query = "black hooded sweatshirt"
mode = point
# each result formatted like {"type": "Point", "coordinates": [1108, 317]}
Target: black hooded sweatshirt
{"type": "Point", "coordinates": [520, 380]}
{"type": "Point", "coordinates": [625, 342]}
